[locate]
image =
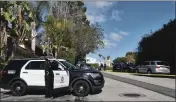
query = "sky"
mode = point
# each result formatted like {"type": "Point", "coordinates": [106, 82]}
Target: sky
{"type": "Point", "coordinates": [125, 23]}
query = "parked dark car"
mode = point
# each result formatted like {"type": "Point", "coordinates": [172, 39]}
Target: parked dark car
{"type": "Point", "coordinates": [128, 67]}
{"type": "Point", "coordinates": [117, 67]}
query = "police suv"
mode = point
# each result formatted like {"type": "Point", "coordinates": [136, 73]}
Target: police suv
{"type": "Point", "coordinates": [22, 74]}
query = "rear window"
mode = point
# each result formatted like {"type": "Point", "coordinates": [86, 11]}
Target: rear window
{"type": "Point", "coordinates": [152, 63]}
{"type": "Point", "coordinates": [162, 63]}
{"type": "Point", "coordinates": [16, 64]}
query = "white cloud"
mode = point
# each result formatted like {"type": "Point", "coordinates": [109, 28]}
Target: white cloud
{"type": "Point", "coordinates": [96, 18]}
{"type": "Point", "coordinates": [115, 15]}
{"type": "Point", "coordinates": [115, 36]}
{"type": "Point", "coordinates": [102, 4]}
{"type": "Point", "coordinates": [109, 43]}
{"type": "Point", "coordinates": [91, 60]}
{"type": "Point", "coordinates": [123, 33]}
{"type": "Point", "coordinates": [98, 11]}
{"type": "Point", "coordinates": [111, 40]}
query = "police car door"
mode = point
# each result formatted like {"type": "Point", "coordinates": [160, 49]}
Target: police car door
{"type": "Point", "coordinates": [33, 73]}
{"type": "Point", "coordinates": [61, 77]}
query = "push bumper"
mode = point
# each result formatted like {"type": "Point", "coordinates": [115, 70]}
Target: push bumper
{"type": "Point", "coordinates": [97, 88]}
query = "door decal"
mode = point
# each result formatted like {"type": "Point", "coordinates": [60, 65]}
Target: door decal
{"type": "Point", "coordinates": [62, 79]}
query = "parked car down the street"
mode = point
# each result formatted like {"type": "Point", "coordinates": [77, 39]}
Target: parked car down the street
{"type": "Point", "coordinates": [117, 67]}
{"type": "Point", "coordinates": [150, 67]}
{"type": "Point", "coordinates": [128, 67]}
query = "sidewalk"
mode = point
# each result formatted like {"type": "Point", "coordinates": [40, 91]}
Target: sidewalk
{"type": "Point", "coordinates": [165, 82]}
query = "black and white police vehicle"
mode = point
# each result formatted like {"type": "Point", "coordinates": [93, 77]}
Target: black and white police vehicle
{"type": "Point", "coordinates": [22, 74]}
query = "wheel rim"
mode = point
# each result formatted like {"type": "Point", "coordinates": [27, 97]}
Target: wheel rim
{"type": "Point", "coordinates": [18, 88]}
{"type": "Point", "coordinates": [81, 88]}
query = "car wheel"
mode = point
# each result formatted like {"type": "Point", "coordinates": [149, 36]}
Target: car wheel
{"type": "Point", "coordinates": [81, 88]}
{"type": "Point", "coordinates": [18, 88]}
{"type": "Point", "coordinates": [149, 72]}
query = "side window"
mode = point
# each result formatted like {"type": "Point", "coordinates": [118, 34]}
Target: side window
{"type": "Point", "coordinates": [60, 67]}
{"type": "Point", "coordinates": [17, 63]}
{"type": "Point", "coordinates": [35, 65]}
{"type": "Point", "coordinates": [146, 63]}
{"type": "Point", "coordinates": [152, 63]}
{"type": "Point", "coordinates": [56, 66]}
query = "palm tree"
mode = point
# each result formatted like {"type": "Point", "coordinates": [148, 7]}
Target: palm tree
{"type": "Point", "coordinates": [100, 57]}
{"type": "Point", "coordinates": [108, 57]}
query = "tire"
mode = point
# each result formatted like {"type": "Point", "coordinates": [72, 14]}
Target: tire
{"type": "Point", "coordinates": [77, 88]}
{"type": "Point", "coordinates": [18, 88]}
{"type": "Point", "coordinates": [149, 72]}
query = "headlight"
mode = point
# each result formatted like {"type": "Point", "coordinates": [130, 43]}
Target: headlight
{"type": "Point", "coordinates": [94, 75]}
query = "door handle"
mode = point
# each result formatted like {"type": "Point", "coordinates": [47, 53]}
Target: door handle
{"type": "Point", "coordinates": [57, 73]}
{"type": "Point", "coordinates": [25, 72]}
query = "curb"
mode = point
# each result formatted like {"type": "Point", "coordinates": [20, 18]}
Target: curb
{"type": "Point", "coordinates": [156, 76]}
{"type": "Point", "coordinates": [156, 88]}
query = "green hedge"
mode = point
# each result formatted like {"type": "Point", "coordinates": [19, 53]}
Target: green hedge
{"type": "Point", "coordinates": [108, 68]}
{"type": "Point", "coordinates": [94, 65]}
{"type": "Point", "coordinates": [97, 66]}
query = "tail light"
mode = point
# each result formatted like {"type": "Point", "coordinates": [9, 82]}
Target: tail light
{"type": "Point", "coordinates": [157, 67]}
{"type": "Point", "coordinates": [3, 73]}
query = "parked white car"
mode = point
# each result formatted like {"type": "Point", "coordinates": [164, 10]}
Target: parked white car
{"type": "Point", "coordinates": [150, 67]}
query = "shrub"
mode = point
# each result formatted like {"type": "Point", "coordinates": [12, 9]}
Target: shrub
{"type": "Point", "coordinates": [108, 68]}
{"type": "Point", "coordinates": [94, 65]}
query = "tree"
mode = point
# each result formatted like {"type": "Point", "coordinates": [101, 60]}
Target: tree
{"type": "Point", "coordinates": [20, 24]}
{"type": "Point", "coordinates": [119, 60]}
{"type": "Point", "coordinates": [130, 57]}
{"type": "Point", "coordinates": [81, 36]}
{"type": "Point", "coordinates": [100, 57]}
{"type": "Point", "coordinates": [159, 45]}
{"type": "Point", "coordinates": [108, 57]}
{"type": "Point", "coordinates": [55, 30]}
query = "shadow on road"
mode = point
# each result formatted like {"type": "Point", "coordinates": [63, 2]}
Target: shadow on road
{"type": "Point", "coordinates": [56, 92]}
{"type": "Point", "coordinates": [96, 92]}
{"type": "Point", "coordinates": [93, 93]}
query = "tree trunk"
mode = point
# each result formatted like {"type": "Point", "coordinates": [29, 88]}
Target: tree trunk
{"type": "Point", "coordinates": [58, 51]}
{"type": "Point", "coordinates": [0, 39]}
{"type": "Point", "coordinates": [19, 16]}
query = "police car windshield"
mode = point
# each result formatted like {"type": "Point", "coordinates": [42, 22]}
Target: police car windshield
{"type": "Point", "coordinates": [68, 65]}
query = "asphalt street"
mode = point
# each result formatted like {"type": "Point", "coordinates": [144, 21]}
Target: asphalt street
{"type": "Point", "coordinates": [113, 91]}
{"type": "Point", "coordinates": [146, 82]}
{"type": "Point", "coordinates": [165, 82]}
